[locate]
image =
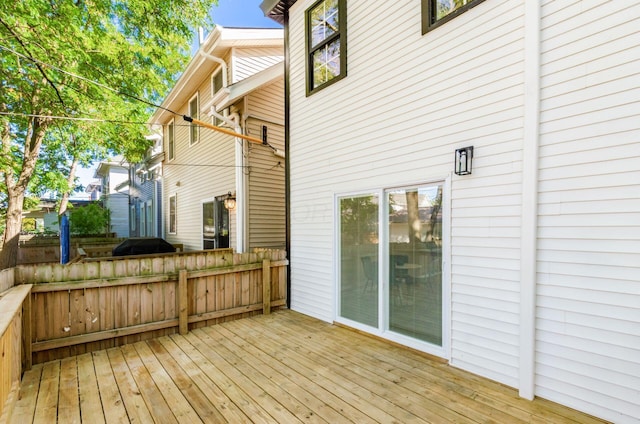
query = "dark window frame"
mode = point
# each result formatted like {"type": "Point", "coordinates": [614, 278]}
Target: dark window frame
{"type": "Point", "coordinates": [341, 34]}
{"type": "Point", "coordinates": [429, 21]}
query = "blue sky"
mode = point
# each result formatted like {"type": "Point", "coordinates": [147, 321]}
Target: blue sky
{"type": "Point", "coordinates": [241, 14]}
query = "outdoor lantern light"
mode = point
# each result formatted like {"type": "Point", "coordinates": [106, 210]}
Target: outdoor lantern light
{"type": "Point", "coordinates": [230, 201]}
{"type": "Point", "coordinates": [464, 158]}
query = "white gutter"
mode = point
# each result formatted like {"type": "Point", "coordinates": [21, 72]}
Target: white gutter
{"type": "Point", "coordinates": [529, 228]}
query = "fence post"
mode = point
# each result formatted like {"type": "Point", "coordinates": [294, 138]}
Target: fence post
{"type": "Point", "coordinates": [183, 302]}
{"type": "Point", "coordinates": [266, 286]}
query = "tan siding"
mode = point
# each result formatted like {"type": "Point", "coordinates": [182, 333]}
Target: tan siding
{"type": "Point", "coordinates": [266, 178]}
{"type": "Point", "coordinates": [588, 354]}
{"type": "Point", "coordinates": [248, 61]}
{"type": "Point", "coordinates": [199, 172]}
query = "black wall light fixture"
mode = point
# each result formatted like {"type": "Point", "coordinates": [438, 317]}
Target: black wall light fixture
{"type": "Point", "coordinates": [464, 159]}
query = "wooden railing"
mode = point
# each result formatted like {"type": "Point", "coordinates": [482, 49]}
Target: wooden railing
{"type": "Point", "coordinates": [89, 306]}
{"type": "Point", "coordinates": [13, 359]}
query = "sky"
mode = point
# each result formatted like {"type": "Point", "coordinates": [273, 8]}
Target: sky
{"type": "Point", "coordinates": [228, 13]}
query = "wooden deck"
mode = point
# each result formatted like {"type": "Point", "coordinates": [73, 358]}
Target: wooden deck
{"type": "Point", "coordinates": [283, 368]}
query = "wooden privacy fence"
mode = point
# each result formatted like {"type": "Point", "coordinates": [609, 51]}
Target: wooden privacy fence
{"type": "Point", "coordinates": [12, 327]}
{"type": "Point", "coordinates": [89, 306]}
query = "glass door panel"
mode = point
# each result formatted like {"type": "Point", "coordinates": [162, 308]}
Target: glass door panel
{"type": "Point", "coordinates": [359, 246]}
{"type": "Point", "coordinates": [415, 263]}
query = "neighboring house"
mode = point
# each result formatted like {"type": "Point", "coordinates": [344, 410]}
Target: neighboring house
{"type": "Point", "coordinates": [237, 74]}
{"type": "Point", "coordinates": [46, 216]}
{"type": "Point", "coordinates": [526, 270]}
{"type": "Point", "coordinates": [114, 177]}
{"type": "Point", "coordinates": [145, 193]}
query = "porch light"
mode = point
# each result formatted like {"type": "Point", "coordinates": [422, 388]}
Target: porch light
{"type": "Point", "coordinates": [230, 201]}
{"type": "Point", "coordinates": [464, 159]}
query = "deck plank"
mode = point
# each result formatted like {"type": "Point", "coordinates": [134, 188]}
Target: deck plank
{"type": "Point", "coordinates": [438, 397]}
{"type": "Point", "coordinates": [158, 407]}
{"type": "Point", "coordinates": [137, 409]}
{"type": "Point", "coordinates": [179, 405]}
{"type": "Point", "coordinates": [68, 399]}
{"type": "Point", "coordinates": [195, 349]}
{"type": "Point", "coordinates": [47, 403]}
{"type": "Point", "coordinates": [112, 404]}
{"type": "Point", "coordinates": [90, 403]}
{"type": "Point", "coordinates": [366, 401]}
{"type": "Point", "coordinates": [25, 407]}
{"type": "Point", "coordinates": [284, 367]}
{"type": "Point", "coordinates": [196, 398]}
{"type": "Point", "coordinates": [221, 401]}
{"type": "Point", "coordinates": [232, 354]}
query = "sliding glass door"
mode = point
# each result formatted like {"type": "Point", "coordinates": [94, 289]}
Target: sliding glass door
{"type": "Point", "coordinates": [398, 238]}
{"type": "Point", "coordinates": [358, 298]}
{"type": "Point", "coordinates": [415, 263]}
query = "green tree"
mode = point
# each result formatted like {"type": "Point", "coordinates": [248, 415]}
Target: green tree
{"type": "Point", "coordinates": [92, 219]}
{"type": "Point", "coordinates": [51, 53]}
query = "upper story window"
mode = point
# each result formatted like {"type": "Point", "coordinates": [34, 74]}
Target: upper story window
{"type": "Point", "coordinates": [194, 112]}
{"type": "Point", "coordinates": [437, 12]}
{"type": "Point", "coordinates": [216, 82]}
{"type": "Point", "coordinates": [326, 43]}
{"type": "Point", "coordinates": [171, 137]}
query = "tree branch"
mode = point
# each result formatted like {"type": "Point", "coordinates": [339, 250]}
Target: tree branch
{"type": "Point", "coordinates": [51, 83]}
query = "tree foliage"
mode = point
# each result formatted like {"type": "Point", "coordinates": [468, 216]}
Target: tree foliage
{"type": "Point", "coordinates": [92, 219]}
{"type": "Point", "coordinates": [86, 60]}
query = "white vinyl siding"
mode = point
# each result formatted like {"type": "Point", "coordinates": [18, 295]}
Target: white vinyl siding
{"type": "Point", "coordinates": [588, 338]}
{"type": "Point", "coordinates": [266, 177]}
{"type": "Point", "coordinates": [459, 87]}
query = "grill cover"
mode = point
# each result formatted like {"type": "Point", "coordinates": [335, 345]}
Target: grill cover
{"type": "Point", "coordinates": [142, 246]}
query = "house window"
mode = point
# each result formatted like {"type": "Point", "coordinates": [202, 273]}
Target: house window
{"type": "Point", "coordinates": [216, 82]}
{"type": "Point", "coordinates": [437, 12]}
{"type": "Point", "coordinates": [173, 214]}
{"type": "Point", "coordinates": [326, 44]}
{"type": "Point", "coordinates": [132, 218]}
{"type": "Point", "coordinates": [171, 137]}
{"type": "Point", "coordinates": [194, 112]}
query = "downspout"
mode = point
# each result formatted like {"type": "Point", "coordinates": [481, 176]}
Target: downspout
{"type": "Point", "coordinates": [222, 63]}
{"type": "Point", "coordinates": [241, 197]}
{"type": "Point", "coordinates": [287, 167]}
{"type": "Point", "coordinates": [529, 229]}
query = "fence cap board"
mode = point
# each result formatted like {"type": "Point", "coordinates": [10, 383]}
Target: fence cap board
{"type": "Point", "coordinates": [10, 303]}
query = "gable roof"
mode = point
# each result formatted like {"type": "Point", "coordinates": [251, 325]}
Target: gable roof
{"type": "Point", "coordinates": [216, 44]}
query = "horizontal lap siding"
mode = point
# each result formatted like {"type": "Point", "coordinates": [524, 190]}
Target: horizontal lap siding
{"type": "Point", "coordinates": [249, 61]}
{"type": "Point", "coordinates": [460, 85]}
{"type": "Point", "coordinates": [588, 315]}
{"type": "Point", "coordinates": [266, 172]}
{"type": "Point", "coordinates": [198, 172]}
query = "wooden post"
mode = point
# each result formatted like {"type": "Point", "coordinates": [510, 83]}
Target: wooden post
{"type": "Point", "coordinates": [26, 333]}
{"type": "Point", "coordinates": [266, 286]}
{"type": "Point", "coordinates": [183, 302]}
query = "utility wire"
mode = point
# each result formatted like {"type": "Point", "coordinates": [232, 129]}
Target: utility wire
{"type": "Point", "coordinates": [99, 84]}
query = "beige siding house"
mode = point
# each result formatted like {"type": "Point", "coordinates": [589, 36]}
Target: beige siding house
{"type": "Point", "coordinates": [526, 270]}
{"type": "Point", "coordinates": [234, 81]}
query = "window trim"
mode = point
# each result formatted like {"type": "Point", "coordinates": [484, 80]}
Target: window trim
{"type": "Point", "coordinates": [175, 215]}
{"type": "Point", "coordinates": [428, 14]}
{"type": "Point", "coordinates": [195, 97]}
{"type": "Point", "coordinates": [341, 35]}
{"type": "Point", "coordinates": [171, 140]}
